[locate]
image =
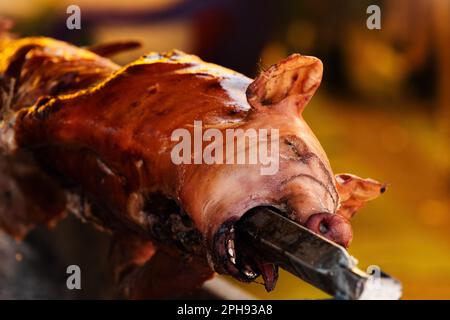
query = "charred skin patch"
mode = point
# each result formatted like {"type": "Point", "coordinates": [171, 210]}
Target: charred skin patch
{"type": "Point", "coordinates": [168, 224]}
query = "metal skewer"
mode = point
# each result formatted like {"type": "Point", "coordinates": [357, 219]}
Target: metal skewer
{"type": "Point", "coordinates": [313, 258]}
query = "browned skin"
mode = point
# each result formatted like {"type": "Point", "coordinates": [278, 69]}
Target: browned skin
{"type": "Point", "coordinates": [37, 67]}
{"type": "Point", "coordinates": [27, 197]}
{"type": "Point", "coordinates": [32, 69]}
{"type": "Point", "coordinates": [113, 141]}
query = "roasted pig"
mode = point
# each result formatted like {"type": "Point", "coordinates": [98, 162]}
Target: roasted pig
{"type": "Point", "coordinates": [100, 140]}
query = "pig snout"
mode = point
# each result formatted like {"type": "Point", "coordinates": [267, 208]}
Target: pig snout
{"type": "Point", "coordinates": [331, 226]}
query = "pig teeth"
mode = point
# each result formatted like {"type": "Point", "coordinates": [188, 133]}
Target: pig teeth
{"type": "Point", "coordinates": [231, 252]}
{"type": "Point", "coordinates": [230, 245]}
{"type": "Point", "coordinates": [249, 273]}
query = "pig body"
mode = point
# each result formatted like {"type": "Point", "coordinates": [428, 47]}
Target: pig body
{"type": "Point", "coordinates": [114, 142]}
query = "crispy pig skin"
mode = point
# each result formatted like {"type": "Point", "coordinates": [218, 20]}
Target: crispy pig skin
{"type": "Point", "coordinates": [33, 69]}
{"type": "Point", "coordinates": [40, 67]}
{"type": "Point", "coordinates": [112, 140]}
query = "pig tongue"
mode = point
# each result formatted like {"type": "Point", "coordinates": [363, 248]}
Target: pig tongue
{"type": "Point", "coordinates": [269, 272]}
{"type": "Point", "coordinates": [248, 258]}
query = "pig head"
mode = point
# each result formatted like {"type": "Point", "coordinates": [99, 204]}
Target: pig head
{"type": "Point", "coordinates": [302, 187]}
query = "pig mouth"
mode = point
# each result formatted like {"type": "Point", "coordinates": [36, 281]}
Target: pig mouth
{"type": "Point", "coordinates": [234, 256]}
{"type": "Point", "coordinates": [238, 259]}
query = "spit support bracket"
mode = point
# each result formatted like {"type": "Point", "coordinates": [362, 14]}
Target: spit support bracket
{"type": "Point", "coordinates": [313, 258]}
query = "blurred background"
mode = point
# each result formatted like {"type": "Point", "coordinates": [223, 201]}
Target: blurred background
{"type": "Point", "coordinates": [383, 110]}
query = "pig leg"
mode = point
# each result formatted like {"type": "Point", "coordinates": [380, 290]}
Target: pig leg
{"type": "Point", "coordinates": [145, 272]}
{"type": "Point", "coordinates": [27, 197]}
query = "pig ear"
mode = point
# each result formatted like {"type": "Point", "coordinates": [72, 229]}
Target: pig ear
{"type": "Point", "coordinates": [354, 192]}
{"type": "Point", "coordinates": [287, 85]}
